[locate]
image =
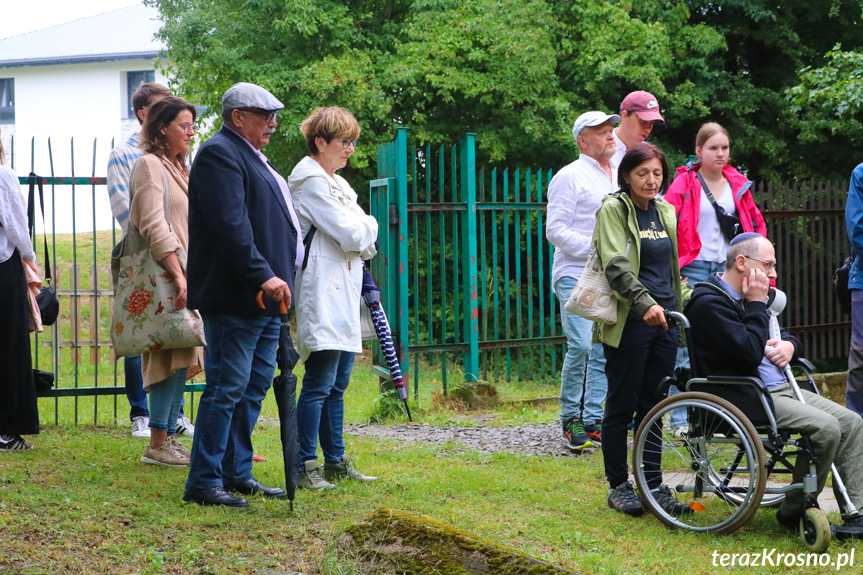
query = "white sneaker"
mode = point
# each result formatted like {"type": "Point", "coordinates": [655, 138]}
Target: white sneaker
{"type": "Point", "coordinates": [185, 427]}
{"type": "Point", "coordinates": [141, 427]}
{"type": "Point", "coordinates": [681, 432]}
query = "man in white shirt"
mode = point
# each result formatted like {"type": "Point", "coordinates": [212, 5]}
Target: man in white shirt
{"type": "Point", "coordinates": [120, 164]}
{"type": "Point", "coordinates": [574, 196]}
{"type": "Point", "coordinates": [638, 112]}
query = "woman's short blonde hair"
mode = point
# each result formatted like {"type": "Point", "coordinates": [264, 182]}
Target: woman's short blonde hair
{"type": "Point", "coordinates": [329, 123]}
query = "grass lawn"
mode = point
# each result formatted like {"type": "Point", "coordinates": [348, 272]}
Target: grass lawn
{"type": "Point", "coordinates": [82, 502]}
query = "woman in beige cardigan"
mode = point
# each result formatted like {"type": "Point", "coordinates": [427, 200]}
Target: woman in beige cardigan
{"type": "Point", "coordinates": [165, 138]}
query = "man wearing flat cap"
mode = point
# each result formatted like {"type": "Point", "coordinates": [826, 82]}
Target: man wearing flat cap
{"type": "Point", "coordinates": [638, 112]}
{"type": "Point", "coordinates": [243, 237]}
{"type": "Point", "coordinates": [574, 195]}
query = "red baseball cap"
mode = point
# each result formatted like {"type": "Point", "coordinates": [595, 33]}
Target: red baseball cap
{"type": "Point", "coordinates": [644, 104]}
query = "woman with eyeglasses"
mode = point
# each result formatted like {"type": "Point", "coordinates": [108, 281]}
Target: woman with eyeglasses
{"type": "Point", "coordinates": [168, 129]}
{"type": "Point", "coordinates": [713, 202]}
{"type": "Point", "coordinates": [338, 236]}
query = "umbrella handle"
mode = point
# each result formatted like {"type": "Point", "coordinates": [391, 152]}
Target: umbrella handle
{"type": "Point", "coordinates": [283, 308]}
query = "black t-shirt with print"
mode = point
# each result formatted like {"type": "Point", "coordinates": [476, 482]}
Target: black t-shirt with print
{"type": "Point", "coordinates": [655, 270]}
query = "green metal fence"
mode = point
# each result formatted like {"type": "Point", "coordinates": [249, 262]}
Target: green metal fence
{"type": "Point", "coordinates": [465, 262]}
{"type": "Point", "coordinates": [77, 348]}
{"type": "Point", "coordinates": [466, 267]}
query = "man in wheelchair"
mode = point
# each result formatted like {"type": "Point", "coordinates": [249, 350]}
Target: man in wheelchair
{"type": "Point", "coordinates": [730, 333]}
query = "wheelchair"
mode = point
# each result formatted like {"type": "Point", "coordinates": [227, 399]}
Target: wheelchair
{"type": "Point", "coordinates": [720, 471]}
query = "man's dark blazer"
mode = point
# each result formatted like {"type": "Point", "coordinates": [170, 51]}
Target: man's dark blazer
{"type": "Point", "coordinates": [240, 230]}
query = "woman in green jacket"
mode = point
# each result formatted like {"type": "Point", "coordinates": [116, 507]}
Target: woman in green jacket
{"type": "Point", "coordinates": [636, 241]}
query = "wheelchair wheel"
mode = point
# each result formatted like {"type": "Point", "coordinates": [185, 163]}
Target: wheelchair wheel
{"type": "Point", "coordinates": [716, 475]}
{"type": "Point", "coordinates": [815, 530]}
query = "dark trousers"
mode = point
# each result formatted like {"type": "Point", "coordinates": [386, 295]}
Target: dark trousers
{"type": "Point", "coordinates": [19, 413]}
{"type": "Point", "coordinates": [634, 368]}
{"type": "Point", "coordinates": [854, 387]}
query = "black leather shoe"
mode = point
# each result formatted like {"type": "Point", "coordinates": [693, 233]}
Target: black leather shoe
{"type": "Point", "coordinates": [253, 487]}
{"type": "Point", "coordinates": [791, 523]}
{"type": "Point", "coordinates": [213, 496]}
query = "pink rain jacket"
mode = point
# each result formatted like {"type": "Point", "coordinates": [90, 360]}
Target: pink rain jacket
{"type": "Point", "coordinates": [685, 195]}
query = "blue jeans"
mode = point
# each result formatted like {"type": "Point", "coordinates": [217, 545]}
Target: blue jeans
{"type": "Point", "coordinates": [240, 361]}
{"type": "Point", "coordinates": [135, 392]}
{"type": "Point", "coordinates": [583, 374]}
{"type": "Point", "coordinates": [696, 271]}
{"type": "Point", "coordinates": [135, 387]}
{"type": "Point", "coordinates": [321, 407]}
{"type": "Point", "coordinates": [165, 399]}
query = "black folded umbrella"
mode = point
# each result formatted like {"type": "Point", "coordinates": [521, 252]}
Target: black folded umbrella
{"type": "Point", "coordinates": [372, 297]}
{"type": "Point", "coordinates": [285, 391]}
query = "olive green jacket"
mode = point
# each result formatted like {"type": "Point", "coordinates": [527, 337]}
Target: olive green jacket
{"type": "Point", "coordinates": [618, 246]}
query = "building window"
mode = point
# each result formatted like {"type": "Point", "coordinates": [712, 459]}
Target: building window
{"type": "Point", "coordinates": [7, 100]}
{"type": "Point", "coordinates": [133, 82]}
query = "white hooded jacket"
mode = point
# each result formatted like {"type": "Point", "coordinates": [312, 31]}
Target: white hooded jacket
{"type": "Point", "coordinates": [327, 293]}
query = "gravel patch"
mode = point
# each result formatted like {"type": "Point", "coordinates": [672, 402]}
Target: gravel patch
{"type": "Point", "coordinates": [538, 439]}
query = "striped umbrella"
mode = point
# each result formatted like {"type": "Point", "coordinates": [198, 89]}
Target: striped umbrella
{"type": "Point", "coordinates": [372, 297]}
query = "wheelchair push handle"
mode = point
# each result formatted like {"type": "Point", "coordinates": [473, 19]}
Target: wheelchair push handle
{"type": "Point", "coordinates": [676, 318]}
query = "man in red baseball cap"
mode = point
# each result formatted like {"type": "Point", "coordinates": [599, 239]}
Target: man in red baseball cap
{"type": "Point", "coordinates": [638, 111]}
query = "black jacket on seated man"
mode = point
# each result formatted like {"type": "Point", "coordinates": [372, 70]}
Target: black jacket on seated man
{"type": "Point", "coordinates": [728, 336]}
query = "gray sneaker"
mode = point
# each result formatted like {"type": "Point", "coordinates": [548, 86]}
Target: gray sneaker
{"type": "Point", "coordinates": [310, 477]}
{"type": "Point", "coordinates": [166, 454]}
{"type": "Point", "coordinates": [344, 470]}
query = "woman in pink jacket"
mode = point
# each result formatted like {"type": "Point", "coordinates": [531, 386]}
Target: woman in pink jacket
{"type": "Point", "coordinates": [702, 243]}
{"type": "Point", "coordinates": [714, 203]}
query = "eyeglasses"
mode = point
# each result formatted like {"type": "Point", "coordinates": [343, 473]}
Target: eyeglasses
{"type": "Point", "coordinates": [188, 128]}
{"type": "Point", "coordinates": [768, 265]}
{"type": "Point", "coordinates": [269, 116]}
{"type": "Point", "coordinates": [348, 143]}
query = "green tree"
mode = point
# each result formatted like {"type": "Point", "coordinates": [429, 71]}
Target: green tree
{"type": "Point", "coordinates": [608, 49]}
{"type": "Point", "coordinates": [442, 67]}
{"type": "Point", "coordinates": [518, 72]}
{"type": "Point", "coordinates": [769, 43]}
{"type": "Point", "coordinates": [827, 104]}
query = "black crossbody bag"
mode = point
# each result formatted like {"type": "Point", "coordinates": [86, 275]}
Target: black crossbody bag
{"type": "Point", "coordinates": [840, 283]}
{"type": "Point", "coordinates": [49, 305]}
{"type": "Point", "coordinates": [729, 224]}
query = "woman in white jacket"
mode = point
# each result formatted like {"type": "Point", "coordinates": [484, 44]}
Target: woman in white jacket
{"type": "Point", "coordinates": [328, 291]}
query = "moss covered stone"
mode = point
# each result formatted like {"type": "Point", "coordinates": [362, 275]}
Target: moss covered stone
{"type": "Point", "coordinates": [476, 394]}
{"type": "Point", "coordinates": [391, 541]}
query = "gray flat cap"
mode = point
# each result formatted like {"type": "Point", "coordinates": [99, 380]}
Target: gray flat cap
{"type": "Point", "coordinates": [245, 95]}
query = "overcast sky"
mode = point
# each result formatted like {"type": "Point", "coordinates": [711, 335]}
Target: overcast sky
{"type": "Point", "coordinates": [20, 16]}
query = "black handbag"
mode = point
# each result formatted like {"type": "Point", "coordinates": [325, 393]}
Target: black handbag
{"type": "Point", "coordinates": [49, 304]}
{"type": "Point", "coordinates": [729, 224]}
{"type": "Point", "coordinates": [43, 380]}
{"type": "Point", "coordinates": [840, 284]}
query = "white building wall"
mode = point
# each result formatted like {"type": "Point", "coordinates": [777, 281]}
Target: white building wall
{"type": "Point", "coordinates": [80, 108]}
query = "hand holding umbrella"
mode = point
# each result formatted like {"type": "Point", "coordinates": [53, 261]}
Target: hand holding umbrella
{"type": "Point", "coordinates": [285, 391]}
